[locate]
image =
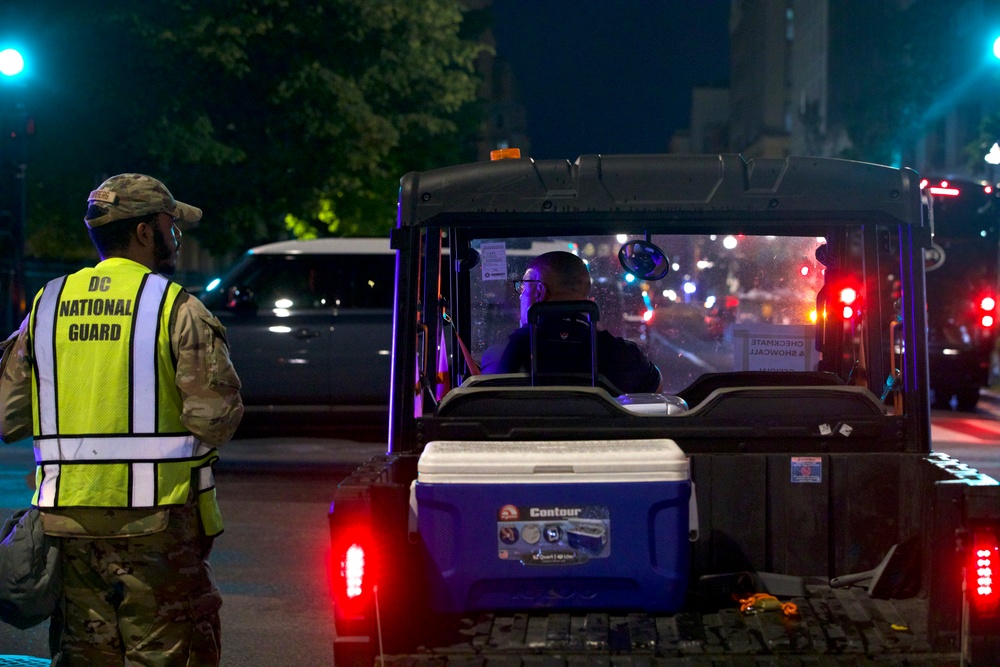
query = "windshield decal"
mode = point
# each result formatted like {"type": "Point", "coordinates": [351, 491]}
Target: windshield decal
{"type": "Point", "coordinates": [493, 257]}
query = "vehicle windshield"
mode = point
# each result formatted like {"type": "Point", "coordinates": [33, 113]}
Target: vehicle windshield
{"type": "Point", "coordinates": [729, 302]}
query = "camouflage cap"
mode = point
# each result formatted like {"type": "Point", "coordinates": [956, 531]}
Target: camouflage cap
{"type": "Point", "coordinates": [134, 195]}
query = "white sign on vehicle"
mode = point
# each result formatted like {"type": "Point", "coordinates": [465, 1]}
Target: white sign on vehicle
{"type": "Point", "coordinates": [774, 347]}
{"type": "Point", "coordinates": [493, 258]}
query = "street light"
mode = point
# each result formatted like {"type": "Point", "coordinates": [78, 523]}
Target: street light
{"type": "Point", "coordinates": [993, 157]}
{"type": "Point", "coordinates": [996, 48]}
{"type": "Point", "coordinates": [16, 124]}
{"type": "Point", "coordinates": [11, 62]}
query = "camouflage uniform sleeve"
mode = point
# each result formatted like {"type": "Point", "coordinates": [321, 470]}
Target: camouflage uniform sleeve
{"type": "Point", "coordinates": [15, 386]}
{"type": "Point", "coordinates": [208, 384]}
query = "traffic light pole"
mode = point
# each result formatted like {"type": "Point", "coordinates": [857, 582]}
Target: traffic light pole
{"type": "Point", "coordinates": [15, 126]}
{"type": "Point", "coordinates": [13, 215]}
{"type": "Point", "coordinates": [18, 307]}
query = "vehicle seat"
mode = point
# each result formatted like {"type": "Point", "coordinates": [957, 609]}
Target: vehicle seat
{"type": "Point", "coordinates": [706, 383]}
{"type": "Point", "coordinates": [563, 342]}
{"type": "Point", "coordinates": [524, 380]}
{"type": "Point", "coordinates": [528, 402]}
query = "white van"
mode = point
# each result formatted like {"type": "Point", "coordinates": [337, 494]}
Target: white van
{"type": "Point", "coordinates": [310, 324]}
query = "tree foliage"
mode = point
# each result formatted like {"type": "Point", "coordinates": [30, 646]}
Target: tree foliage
{"type": "Point", "coordinates": [275, 116]}
{"type": "Point", "coordinates": [898, 77]}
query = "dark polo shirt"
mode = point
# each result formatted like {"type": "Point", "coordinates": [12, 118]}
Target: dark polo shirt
{"type": "Point", "coordinates": [619, 360]}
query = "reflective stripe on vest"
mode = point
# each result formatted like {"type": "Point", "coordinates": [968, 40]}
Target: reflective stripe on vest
{"type": "Point", "coordinates": [44, 339]}
{"type": "Point", "coordinates": [144, 354]}
{"type": "Point", "coordinates": [146, 456]}
{"type": "Point", "coordinates": [110, 449]}
{"type": "Point", "coordinates": [142, 477]}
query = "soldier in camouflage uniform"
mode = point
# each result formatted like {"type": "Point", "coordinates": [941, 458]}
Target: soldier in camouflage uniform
{"type": "Point", "coordinates": [125, 382]}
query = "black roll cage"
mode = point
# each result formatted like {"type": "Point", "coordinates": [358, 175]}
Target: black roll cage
{"type": "Point", "coordinates": [443, 210]}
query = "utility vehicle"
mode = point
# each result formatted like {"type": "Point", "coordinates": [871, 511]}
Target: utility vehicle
{"type": "Point", "coordinates": [778, 503]}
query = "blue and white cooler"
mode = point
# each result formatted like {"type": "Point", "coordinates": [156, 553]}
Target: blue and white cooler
{"type": "Point", "coordinates": [555, 524]}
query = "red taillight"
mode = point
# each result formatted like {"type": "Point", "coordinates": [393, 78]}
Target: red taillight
{"type": "Point", "coordinates": [947, 192]}
{"type": "Point", "coordinates": [944, 188]}
{"type": "Point", "coordinates": [849, 301]}
{"type": "Point", "coordinates": [987, 306]}
{"type": "Point", "coordinates": [647, 315]}
{"type": "Point", "coordinates": [353, 570]}
{"type": "Point", "coordinates": [983, 570]}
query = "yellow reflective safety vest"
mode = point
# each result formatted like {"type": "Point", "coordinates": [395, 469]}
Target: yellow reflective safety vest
{"type": "Point", "coordinates": [106, 409]}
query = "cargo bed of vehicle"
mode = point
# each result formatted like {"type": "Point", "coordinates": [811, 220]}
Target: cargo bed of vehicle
{"type": "Point", "coordinates": [833, 627]}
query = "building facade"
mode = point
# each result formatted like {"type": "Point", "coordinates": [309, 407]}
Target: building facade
{"type": "Point", "coordinates": [834, 78]}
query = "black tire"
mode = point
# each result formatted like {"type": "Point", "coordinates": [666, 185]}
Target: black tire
{"type": "Point", "coordinates": [942, 396]}
{"type": "Point", "coordinates": [967, 397]}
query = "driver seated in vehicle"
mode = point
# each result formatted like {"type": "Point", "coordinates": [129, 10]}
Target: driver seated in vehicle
{"type": "Point", "coordinates": [562, 276]}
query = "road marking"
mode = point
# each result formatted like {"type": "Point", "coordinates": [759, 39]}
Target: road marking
{"type": "Point", "coordinates": [681, 352]}
{"type": "Point", "coordinates": [965, 429]}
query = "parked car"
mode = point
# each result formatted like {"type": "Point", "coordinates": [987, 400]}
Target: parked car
{"type": "Point", "coordinates": [310, 326]}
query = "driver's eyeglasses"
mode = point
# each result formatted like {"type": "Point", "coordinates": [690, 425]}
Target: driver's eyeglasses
{"type": "Point", "coordinates": [519, 285]}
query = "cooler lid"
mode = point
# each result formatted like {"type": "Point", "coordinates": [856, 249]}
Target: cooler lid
{"type": "Point", "coordinates": [460, 461]}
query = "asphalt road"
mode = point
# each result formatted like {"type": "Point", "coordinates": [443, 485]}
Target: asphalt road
{"type": "Point", "coordinates": [270, 563]}
{"type": "Point", "coordinates": [972, 438]}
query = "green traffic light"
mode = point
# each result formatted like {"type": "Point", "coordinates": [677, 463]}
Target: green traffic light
{"type": "Point", "coordinates": [11, 62]}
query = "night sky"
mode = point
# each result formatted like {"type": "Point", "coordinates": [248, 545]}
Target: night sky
{"type": "Point", "coordinates": [600, 76]}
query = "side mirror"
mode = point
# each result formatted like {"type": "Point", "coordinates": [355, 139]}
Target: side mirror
{"type": "Point", "coordinates": [644, 260]}
{"type": "Point", "coordinates": [468, 261]}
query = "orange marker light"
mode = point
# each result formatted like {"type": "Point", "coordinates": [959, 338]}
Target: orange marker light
{"type": "Point", "coordinates": [505, 153]}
